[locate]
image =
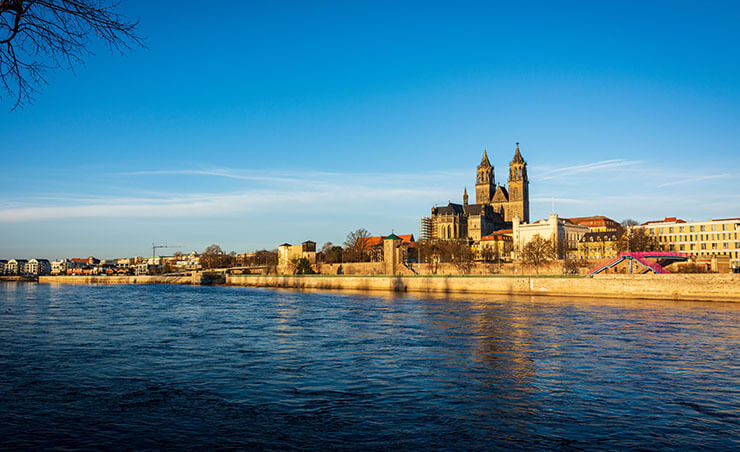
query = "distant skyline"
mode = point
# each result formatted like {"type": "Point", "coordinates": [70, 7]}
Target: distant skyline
{"type": "Point", "coordinates": [257, 124]}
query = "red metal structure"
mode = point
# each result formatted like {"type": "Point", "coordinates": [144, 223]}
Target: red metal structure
{"type": "Point", "coordinates": [663, 258]}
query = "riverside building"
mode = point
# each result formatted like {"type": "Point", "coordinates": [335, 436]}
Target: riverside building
{"type": "Point", "coordinates": [703, 239]}
{"type": "Point", "coordinates": [563, 234]}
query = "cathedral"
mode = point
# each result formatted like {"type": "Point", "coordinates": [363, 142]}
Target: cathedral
{"type": "Point", "coordinates": [495, 206]}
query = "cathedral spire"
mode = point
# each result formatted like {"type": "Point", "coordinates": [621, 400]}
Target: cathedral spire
{"type": "Point", "coordinates": [484, 161]}
{"type": "Point", "coordinates": [517, 155]}
{"type": "Point", "coordinates": [465, 196]}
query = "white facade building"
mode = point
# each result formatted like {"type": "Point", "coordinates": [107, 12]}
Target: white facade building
{"type": "Point", "coordinates": [38, 267]}
{"type": "Point", "coordinates": [16, 266]}
{"type": "Point", "coordinates": [563, 235]}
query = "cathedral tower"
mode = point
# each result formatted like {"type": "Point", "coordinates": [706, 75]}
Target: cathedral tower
{"type": "Point", "coordinates": [518, 188]}
{"type": "Point", "coordinates": [485, 183]}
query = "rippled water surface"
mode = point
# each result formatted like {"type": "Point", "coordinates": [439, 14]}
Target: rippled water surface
{"type": "Point", "coordinates": [152, 367]}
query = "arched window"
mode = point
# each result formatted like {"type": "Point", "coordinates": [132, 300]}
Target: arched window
{"type": "Point", "coordinates": [449, 232]}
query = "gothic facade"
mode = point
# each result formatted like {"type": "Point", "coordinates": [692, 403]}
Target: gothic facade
{"type": "Point", "coordinates": [495, 206]}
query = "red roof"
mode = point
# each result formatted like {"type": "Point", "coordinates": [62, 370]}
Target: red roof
{"type": "Point", "coordinates": [494, 237]}
{"type": "Point", "coordinates": [667, 220]}
{"type": "Point", "coordinates": [599, 220]}
{"type": "Point", "coordinates": [370, 242]}
{"type": "Point", "coordinates": [79, 260]}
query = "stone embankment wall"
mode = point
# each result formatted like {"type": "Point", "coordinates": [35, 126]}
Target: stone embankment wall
{"type": "Point", "coordinates": [711, 287]}
{"type": "Point", "coordinates": [16, 278]}
{"type": "Point", "coordinates": [378, 268]}
{"type": "Point", "coordinates": [154, 279]}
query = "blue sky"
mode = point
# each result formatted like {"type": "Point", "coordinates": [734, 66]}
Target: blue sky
{"type": "Point", "coordinates": [252, 124]}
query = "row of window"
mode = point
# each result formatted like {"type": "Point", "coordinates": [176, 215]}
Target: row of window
{"type": "Point", "coordinates": [701, 246]}
{"type": "Point", "coordinates": [698, 237]}
{"type": "Point", "coordinates": [704, 249]}
{"type": "Point", "coordinates": [699, 228]}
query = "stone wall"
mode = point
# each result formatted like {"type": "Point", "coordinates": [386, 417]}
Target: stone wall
{"type": "Point", "coordinates": [86, 279]}
{"type": "Point", "coordinates": [711, 287]}
{"type": "Point", "coordinates": [378, 268]}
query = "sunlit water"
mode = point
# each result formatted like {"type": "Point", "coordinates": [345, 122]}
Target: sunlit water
{"type": "Point", "coordinates": [158, 366]}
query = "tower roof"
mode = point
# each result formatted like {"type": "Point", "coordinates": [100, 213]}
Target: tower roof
{"type": "Point", "coordinates": [484, 161]}
{"type": "Point", "coordinates": [517, 155]}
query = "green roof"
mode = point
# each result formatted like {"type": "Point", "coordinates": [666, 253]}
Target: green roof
{"type": "Point", "coordinates": [392, 237]}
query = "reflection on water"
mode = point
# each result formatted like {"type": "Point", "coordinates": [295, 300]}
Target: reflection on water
{"type": "Point", "coordinates": [221, 367]}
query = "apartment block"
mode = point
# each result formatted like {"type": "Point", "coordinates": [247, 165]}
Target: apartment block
{"type": "Point", "coordinates": [716, 238]}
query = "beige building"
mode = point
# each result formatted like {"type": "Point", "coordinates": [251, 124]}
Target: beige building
{"type": "Point", "coordinates": [494, 247]}
{"type": "Point", "coordinates": [563, 234]}
{"type": "Point", "coordinates": [288, 253]}
{"type": "Point", "coordinates": [702, 239]}
{"type": "Point", "coordinates": [601, 240]}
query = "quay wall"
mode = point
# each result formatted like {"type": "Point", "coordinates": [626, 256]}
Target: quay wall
{"type": "Point", "coordinates": [122, 279]}
{"type": "Point", "coordinates": [705, 287]}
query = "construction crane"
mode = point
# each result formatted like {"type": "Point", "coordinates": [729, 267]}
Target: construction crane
{"type": "Point", "coordinates": [154, 248]}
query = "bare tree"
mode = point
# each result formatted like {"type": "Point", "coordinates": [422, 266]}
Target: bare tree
{"type": "Point", "coordinates": [628, 223]}
{"type": "Point", "coordinates": [636, 239]}
{"type": "Point", "coordinates": [538, 251]}
{"type": "Point", "coordinates": [357, 244]}
{"type": "Point", "coordinates": [212, 257]}
{"type": "Point", "coordinates": [40, 35]}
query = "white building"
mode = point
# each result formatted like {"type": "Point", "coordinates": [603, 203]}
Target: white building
{"type": "Point", "coordinates": [59, 267]}
{"type": "Point", "coordinates": [16, 266]}
{"type": "Point", "coordinates": [38, 267]}
{"type": "Point", "coordinates": [563, 234]}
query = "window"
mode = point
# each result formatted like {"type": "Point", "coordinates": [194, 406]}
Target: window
{"type": "Point", "coordinates": [701, 228]}
{"type": "Point", "coordinates": [680, 229]}
{"type": "Point", "coordinates": [670, 230]}
{"type": "Point", "coordinates": [714, 227]}
{"type": "Point", "coordinates": [691, 229]}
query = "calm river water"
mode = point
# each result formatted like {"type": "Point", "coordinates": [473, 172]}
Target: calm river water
{"type": "Point", "coordinates": [159, 366]}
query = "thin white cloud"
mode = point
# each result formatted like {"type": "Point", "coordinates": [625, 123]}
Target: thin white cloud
{"type": "Point", "coordinates": [603, 165]}
{"type": "Point", "coordinates": [693, 179]}
{"type": "Point", "coordinates": [295, 199]}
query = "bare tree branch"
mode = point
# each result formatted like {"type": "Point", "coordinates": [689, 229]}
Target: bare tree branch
{"type": "Point", "coordinates": [41, 35]}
